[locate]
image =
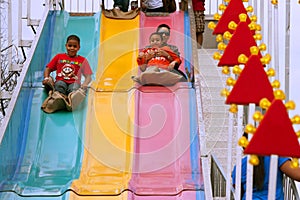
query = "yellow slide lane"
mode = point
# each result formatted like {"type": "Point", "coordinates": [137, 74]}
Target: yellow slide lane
{"type": "Point", "coordinates": [107, 160]}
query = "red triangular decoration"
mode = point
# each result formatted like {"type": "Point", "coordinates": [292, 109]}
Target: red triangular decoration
{"type": "Point", "coordinates": [240, 43]}
{"type": "Point", "coordinates": [231, 13]}
{"type": "Point", "coordinates": [275, 134]}
{"type": "Point", "coordinates": [252, 84]}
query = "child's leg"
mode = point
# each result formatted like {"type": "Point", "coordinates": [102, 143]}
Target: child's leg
{"type": "Point", "coordinates": [152, 69]}
{"type": "Point", "coordinates": [61, 87]}
{"type": "Point", "coordinates": [72, 87]}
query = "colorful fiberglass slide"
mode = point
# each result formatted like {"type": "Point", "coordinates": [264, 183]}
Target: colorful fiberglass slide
{"type": "Point", "coordinates": [125, 141]}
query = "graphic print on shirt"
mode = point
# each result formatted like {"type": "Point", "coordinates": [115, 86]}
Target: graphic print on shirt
{"type": "Point", "coordinates": [68, 72]}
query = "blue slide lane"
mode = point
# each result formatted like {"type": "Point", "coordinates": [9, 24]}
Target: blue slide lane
{"type": "Point", "coordinates": [194, 138]}
{"type": "Point", "coordinates": [41, 153]}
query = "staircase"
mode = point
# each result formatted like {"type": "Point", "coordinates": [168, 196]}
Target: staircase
{"type": "Point", "coordinates": [215, 111]}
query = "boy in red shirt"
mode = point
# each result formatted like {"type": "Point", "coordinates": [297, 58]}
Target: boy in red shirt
{"type": "Point", "coordinates": [69, 67]}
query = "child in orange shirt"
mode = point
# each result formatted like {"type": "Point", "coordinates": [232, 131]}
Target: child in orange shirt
{"type": "Point", "coordinates": [157, 58]}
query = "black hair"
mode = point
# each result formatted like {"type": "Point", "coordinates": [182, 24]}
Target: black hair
{"type": "Point", "coordinates": [161, 26]}
{"type": "Point", "coordinates": [156, 33]}
{"type": "Point", "coordinates": [259, 174]}
{"type": "Point", "coordinates": [73, 37]}
{"type": "Point", "coordinates": [258, 171]}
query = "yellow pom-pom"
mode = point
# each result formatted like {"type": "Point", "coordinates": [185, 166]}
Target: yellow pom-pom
{"type": "Point", "coordinates": [233, 108]}
{"type": "Point", "coordinates": [217, 16]}
{"type": "Point", "coordinates": [243, 17]}
{"type": "Point", "coordinates": [222, 46]}
{"type": "Point", "coordinates": [253, 18]}
{"type": "Point", "coordinates": [217, 56]}
{"type": "Point", "coordinates": [258, 27]}
{"type": "Point", "coordinates": [274, 2]}
{"type": "Point", "coordinates": [245, 0]}
{"type": "Point", "coordinates": [264, 103]}
{"type": "Point", "coordinates": [222, 7]}
{"type": "Point", "coordinates": [249, 128]}
{"type": "Point", "coordinates": [298, 134]}
{"type": "Point", "coordinates": [227, 1]}
{"type": "Point", "coordinates": [225, 70]}
{"type": "Point", "coordinates": [266, 59]}
{"type": "Point", "coordinates": [275, 84]}
{"type": "Point", "coordinates": [227, 35]}
{"type": "Point", "coordinates": [294, 163]}
{"type": "Point", "coordinates": [254, 160]}
{"type": "Point", "coordinates": [249, 9]}
{"type": "Point", "coordinates": [242, 59]}
{"type": "Point", "coordinates": [257, 116]}
{"type": "Point", "coordinates": [243, 142]}
{"type": "Point", "coordinates": [271, 72]}
{"type": "Point", "coordinates": [254, 50]}
{"type": "Point", "coordinates": [230, 81]}
{"type": "Point", "coordinates": [224, 92]}
{"type": "Point", "coordinates": [237, 70]}
{"type": "Point", "coordinates": [232, 25]}
{"type": "Point", "coordinates": [219, 38]}
{"type": "Point", "coordinates": [290, 105]}
{"type": "Point", "coordinates": [252, 26]}
{"type": "Point", "coordinates": [211, 25]}
{"type": "Point", "coordinates": [262, 47]}
{"type": "Point", "coordinates": [257, 36]}
{"type": "Point", "coordinates": [279, 94]}
{"type": "Point", "coordinates": [296, 119]}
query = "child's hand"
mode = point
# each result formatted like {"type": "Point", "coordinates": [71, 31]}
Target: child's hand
{"type": "Point", "coordinates": [84, 86]}
{"type": "Point", "coordinates": [141, 55]}
{"type": "Point", "coordinates": [162, 52]}
{"type": "Point", "coordinates": [149, 55]}
{"type": "Point", "coordinates": [47, 81]}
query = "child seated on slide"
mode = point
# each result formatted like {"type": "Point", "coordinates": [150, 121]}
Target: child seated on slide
{"type": "Point", "coordinates": [157, 64]}
{"type": "Point", "coordinates": [69, 68]}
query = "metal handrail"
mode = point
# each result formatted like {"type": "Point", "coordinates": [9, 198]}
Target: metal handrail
{"type": "Point", "coordinates": [290, 189]}
{"type": "Point", "coordinates": [218, 183]}
{"type": "Point", "coordinates": [218, 179]}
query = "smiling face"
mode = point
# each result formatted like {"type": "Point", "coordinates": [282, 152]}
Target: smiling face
{"type": "Point", "coordinates": [72, 47]}
{"type": "Point", "coordinates": [155, 40]}
{"type": "Point", "coordinates": [165, 34]}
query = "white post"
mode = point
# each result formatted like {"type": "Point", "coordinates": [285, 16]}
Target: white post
{"type": "Point", "coordinates": [28, 12]}
{"type": "Point", "coordinates": [20, 23]}
{"type": "Point", "coordinates": [274, 158]}
{"type": "Point", "coordinates": [239, 154]}
{"type": "Point", "coordinates": [9, 37]}
{"type": "Point", "coordinates": [287, 51]}
{"type": "Point", "coordinates": [273, 177]}
{"type": "Point", "coordinates": [249, 180]}
{"type": "Point", "coordinates": [229, 155]}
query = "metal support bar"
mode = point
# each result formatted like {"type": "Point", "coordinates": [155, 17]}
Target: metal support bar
{"type": "Point", "coordinates": [32, 28]}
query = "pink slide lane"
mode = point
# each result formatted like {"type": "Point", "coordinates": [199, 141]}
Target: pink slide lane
{"type": "Point", "coordinates": [162, 164]}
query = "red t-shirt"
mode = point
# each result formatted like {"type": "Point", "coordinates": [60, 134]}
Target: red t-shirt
{"type": "Point", "coordinates": [160, 61]}
{"type": "Point", "coordinates": [69, 69]}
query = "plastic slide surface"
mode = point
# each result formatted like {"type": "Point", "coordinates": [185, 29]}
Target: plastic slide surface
{"type": "Point", "coordinates": [41, 153]}
{"type": "Point", "coordinates": [166, 146]}
{"type": "Point", "coordinates": [109, 141]}
{"type": "Point", "coordinates": [125, 141]}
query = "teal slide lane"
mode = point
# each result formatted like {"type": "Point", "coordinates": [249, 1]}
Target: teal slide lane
{"type": "Point", "coordinates": [40, 153]}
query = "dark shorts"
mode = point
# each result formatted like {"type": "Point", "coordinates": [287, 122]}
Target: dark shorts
{"type": "Point", "coordinates": [200, 22]}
